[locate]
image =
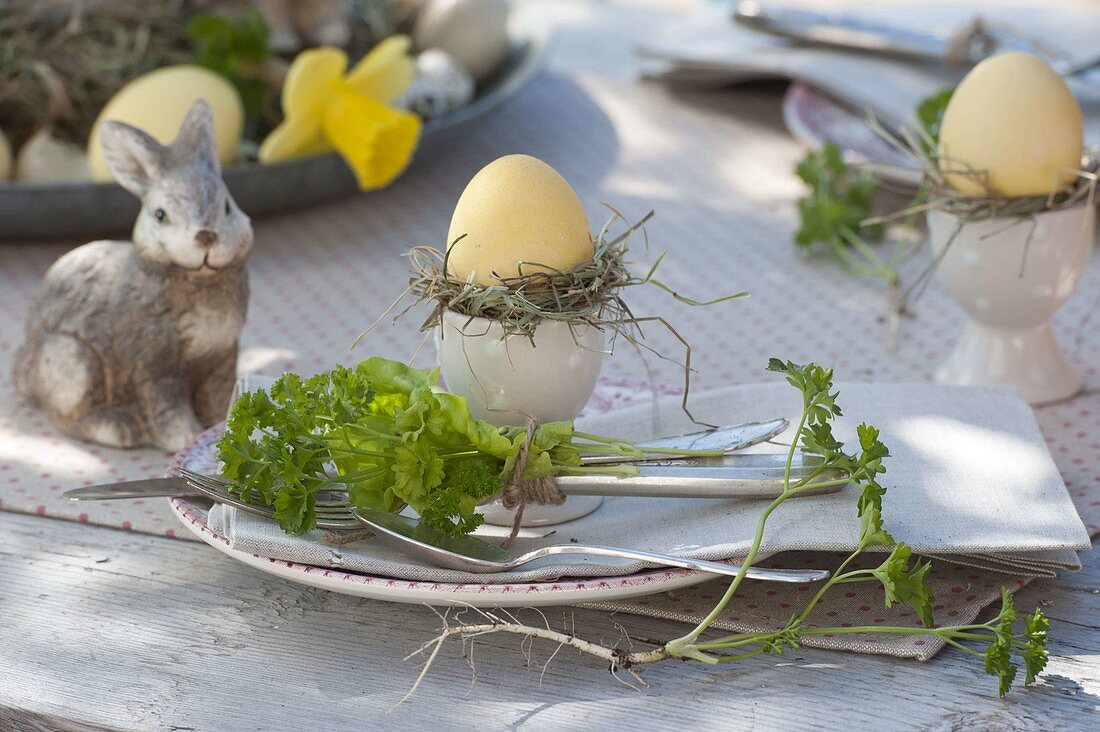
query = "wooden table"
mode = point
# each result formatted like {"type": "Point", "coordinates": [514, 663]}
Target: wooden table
{"type": "Point", "coordinates": [101, 628]}
{"type": "Point", "coordinates": [120, 630]}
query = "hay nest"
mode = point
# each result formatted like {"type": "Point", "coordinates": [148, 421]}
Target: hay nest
{"type": "Point", "coordinates": [61, 61]}
{"type": "Point", "coordinates": [936, 193]}
{"type": "Point", "coordinates": [588, 295]}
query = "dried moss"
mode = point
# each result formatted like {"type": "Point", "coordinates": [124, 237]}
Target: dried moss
{"type": "Point", "coordinates": [61, 61]}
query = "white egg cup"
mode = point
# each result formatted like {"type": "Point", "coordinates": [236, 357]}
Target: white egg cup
{"type": "Point", "coordinates": [508, 379]}
{"type": "Point", "coordinates": [1010, 287]}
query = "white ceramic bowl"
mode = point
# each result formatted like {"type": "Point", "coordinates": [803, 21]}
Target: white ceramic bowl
{"type": "Point", "coordinates": [508, 378]}
{"type": "Point", "coordinates": [1011, 276]}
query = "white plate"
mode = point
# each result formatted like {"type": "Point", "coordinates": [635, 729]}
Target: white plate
{"type": "Point", "coordinates": [814, 119]}
{"type": "Point", "coordinates": [530, 594]}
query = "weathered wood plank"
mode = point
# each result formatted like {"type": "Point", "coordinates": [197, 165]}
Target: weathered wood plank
{"type": "Point", "coordinates": [112, 629]}
{"type": "Point", "coordinates": [20, 720]}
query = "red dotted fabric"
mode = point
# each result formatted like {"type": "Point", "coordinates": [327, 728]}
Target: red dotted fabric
{"type": "Point", "coordinates": [715, 166]}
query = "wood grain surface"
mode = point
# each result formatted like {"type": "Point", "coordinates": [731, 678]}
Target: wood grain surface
{"type": "Point", "coordinates": [110, 629]}
{"type": "Point", "coordinates": [104, 629]}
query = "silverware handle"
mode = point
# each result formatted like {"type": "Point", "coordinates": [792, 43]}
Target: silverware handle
{"type": "Point", "coordinates": [150, 488]}
{"type": "Point", "coordinates": [841, 31]}
{"type": "Point", "coordinates": [702, 565]}
{"type": "Point", "coordinates": [736, 476]}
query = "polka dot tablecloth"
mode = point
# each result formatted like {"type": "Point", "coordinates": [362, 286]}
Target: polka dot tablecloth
{"type": "Point", "coordinates": [716, 167]}
{"type": "Point", "coordinates": [961, 593]}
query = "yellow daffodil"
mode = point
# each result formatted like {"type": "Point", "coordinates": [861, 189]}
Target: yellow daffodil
{"type": "Point", "coordinates": [328, 109]}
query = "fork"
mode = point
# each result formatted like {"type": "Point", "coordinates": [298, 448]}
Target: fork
{"type": "Point", "coordinates": [470, 554]}
{"type": "Point", "coordinates": [335, 515]}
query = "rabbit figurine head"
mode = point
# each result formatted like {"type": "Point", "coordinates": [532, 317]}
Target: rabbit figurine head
{"type": "Point", "coordinates": [188, 219]}
{"type": "Point", "coordinates": [135, 342]}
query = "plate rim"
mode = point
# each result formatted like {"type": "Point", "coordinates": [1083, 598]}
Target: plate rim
{"type": "Point", "coordinates": [392, 589]}
{"type": "Point", "coordinates": [808, 135]}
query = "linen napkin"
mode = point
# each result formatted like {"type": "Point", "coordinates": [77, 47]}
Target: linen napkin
{"type": "Point", "coordinates": [709, 48]}
{"type": "Point", "coordinates": [970, 480]}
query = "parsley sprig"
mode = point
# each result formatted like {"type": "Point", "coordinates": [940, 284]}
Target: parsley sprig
{"type": "Point", "coordinates": [389, 436]}
{"type": "Point", "coordinates": [901, 575]}
{"type": "Point", "coordinates": [236, 48]}
{"type": "Point", "coordinates": [834, 211]}
{"type": "Point", "coordinates": [836, 214]}
{"type": "Point", "coordinates": [930, 116]}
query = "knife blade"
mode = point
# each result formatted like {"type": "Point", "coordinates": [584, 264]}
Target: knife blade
{"type": "Point", "coordinates": [964, 47]}
{"type": "Point", "coordinates": [148, 488]}
{"type": "Point", "coordinates": [730, 439]}
{"type": "Point", "coordinates": [840, 31]}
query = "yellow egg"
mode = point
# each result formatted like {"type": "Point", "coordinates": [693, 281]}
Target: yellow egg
{"type": "Point", "coordinates": [5, 157]}
{"type": "Point", "coordinates": [517, 209]}
{"type": "Point", "coordinates": [1013, 118]}
{"type": "Point", "coordinates": [157, 103]}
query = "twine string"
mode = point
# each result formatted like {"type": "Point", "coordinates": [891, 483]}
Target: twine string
{"type": "Point", "coordinates": [517, 492]}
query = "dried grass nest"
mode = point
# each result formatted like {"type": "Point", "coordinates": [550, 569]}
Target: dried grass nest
{"type": "Point", "coordinates": [589, 295]}
{"type": "Point", "coordinates": [61, 61]}
{"type": "Point", "coordinates": [936, 194]}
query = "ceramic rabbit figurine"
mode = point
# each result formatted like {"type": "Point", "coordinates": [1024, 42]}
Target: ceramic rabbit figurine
{"type": "Point", "coordinates": [135, 343]}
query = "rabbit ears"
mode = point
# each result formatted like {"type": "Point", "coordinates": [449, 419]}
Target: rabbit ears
{"type": "Point", "coordinates": [135, 159]}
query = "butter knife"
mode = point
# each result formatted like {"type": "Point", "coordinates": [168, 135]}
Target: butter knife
{"type": "Point", "coordinates": [730, 476]}
{"type": "Point", "coordinates": [966, 47]}
{"type": "Point", "coordinates": [730, 438]}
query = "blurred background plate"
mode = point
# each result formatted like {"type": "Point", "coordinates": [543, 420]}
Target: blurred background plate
{"type": "Point", "coordinates": [814, 118]}
{"type": "Point", "coordinates": [88, 210]}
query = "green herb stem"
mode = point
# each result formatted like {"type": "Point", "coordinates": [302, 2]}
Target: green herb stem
{"type": "Point", "coordinates": [677, 646]}
{"type": "Point", "coordinates": [837, 578]}
{"type": "Point", "coordinates": [624, 470]}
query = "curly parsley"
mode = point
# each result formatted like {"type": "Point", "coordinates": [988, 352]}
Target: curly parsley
{"type": "Point", "coordinates": [388, 435]}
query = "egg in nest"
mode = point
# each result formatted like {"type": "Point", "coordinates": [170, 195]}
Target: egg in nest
{"type": "Point", "coordinates": [516, 217]}
{"type": "Point", "coordinates": [1013, 121]}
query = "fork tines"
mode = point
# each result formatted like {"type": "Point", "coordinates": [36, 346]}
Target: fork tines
{"type": "Point", "coordinates": [331, 513]}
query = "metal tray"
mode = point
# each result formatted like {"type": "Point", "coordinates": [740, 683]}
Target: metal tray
{"type": "Point", "coordinates": [88, 210]}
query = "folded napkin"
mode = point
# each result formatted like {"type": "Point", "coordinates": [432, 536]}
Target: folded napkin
{"type": "Point", "coordinates": [709, 48]}
{"type": "Point", "coordinates": [970, 480]}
